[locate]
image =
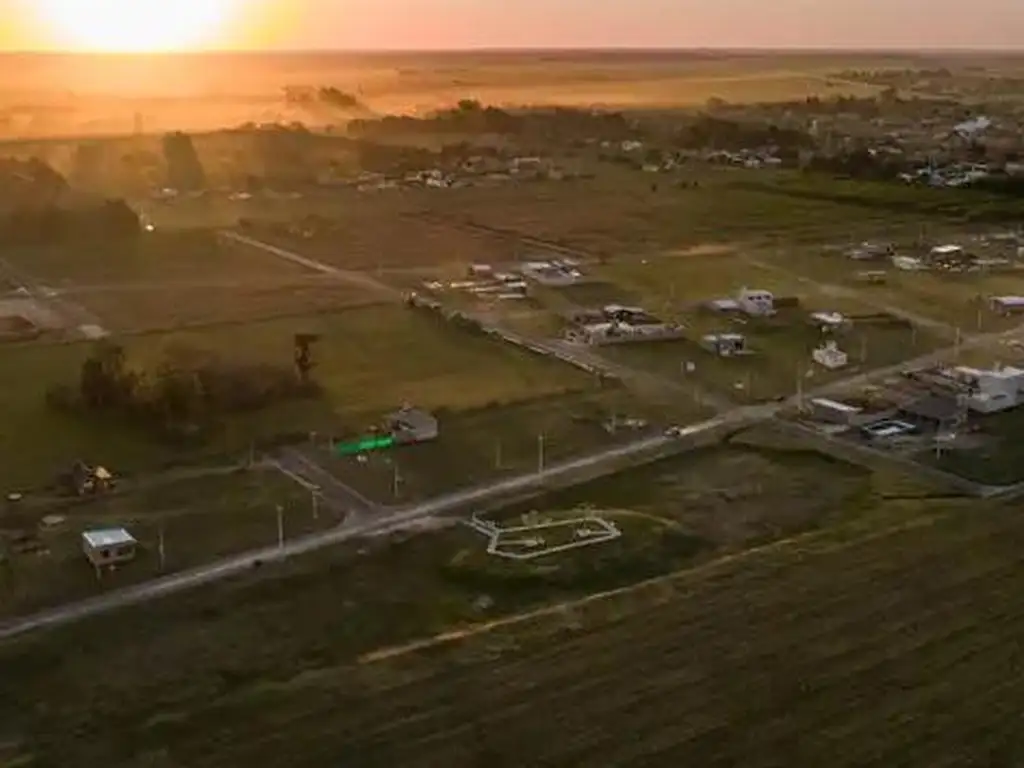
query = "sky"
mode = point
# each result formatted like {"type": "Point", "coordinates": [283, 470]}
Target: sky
{"type": "Point", "coordinates": [445, 24]}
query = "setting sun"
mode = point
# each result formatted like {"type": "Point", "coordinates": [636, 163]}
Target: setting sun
{"type": "Point", "coordinates": [117, 26]}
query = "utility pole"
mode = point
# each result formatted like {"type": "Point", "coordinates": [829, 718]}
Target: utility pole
{"type": "Point", "coordinates": [956, 345]}
{"type": "Point", "coordinates": [280, 527]}
{"type": "Point", "coordinates": [160, 546]}
{"type": "Point", "coordinates": [540, 453]}
{"type": "Point", "coordinates": [395, 480]}
{"type": "Point", "coordinates": [314, 497]}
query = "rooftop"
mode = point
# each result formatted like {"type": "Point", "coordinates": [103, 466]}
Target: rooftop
{"type": "Point", "coordinates": [108, 537]}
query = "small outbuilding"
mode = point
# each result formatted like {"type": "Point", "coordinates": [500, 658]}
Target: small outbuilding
{"type": "Point", "coordinates": [834, 412]}
{"type": "Point", "coordinates": [412, 425]}
{"type": "Point", "coordinates": [109, 546]}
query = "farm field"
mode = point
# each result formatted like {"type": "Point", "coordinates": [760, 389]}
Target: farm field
{"type": "Point", "coordinates": [201, 519]}
{"type": "Point", "coordinates": [128, 309]}
{"type": "Point", "coordinates": [382, 238]}
{"type": "Point", "coordinates": [625, 214]}
{"type": "Point", "coordinates": [156, 257]}
{"type": "Point", "coordinates": [369, 362]}
{"type": "Point", "coordinates": [198, 94]}
{"type": "Point", "coordinates": [341, 679]}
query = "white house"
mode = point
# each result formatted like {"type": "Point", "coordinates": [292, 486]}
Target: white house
{"type": "Point", "coordinates": [947, 252]}
{"type": "Point", "coordinates": [992, 390]}
{"type": "Point", "coordinates": [108, 546]}
{"type": "Point", "coordinates": [756, 302]}
{"type": "Point", "coordinates": [834, 411]}
{"type": "Point", "coordinates": [830, 356]}
{"type": "Point", "coordinates": [725, 344]}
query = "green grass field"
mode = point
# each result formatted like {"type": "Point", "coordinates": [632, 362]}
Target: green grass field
{"type": "Point", "coordinates": [156, 257]}
{"type": "Point", "coordinates": [502, 439]}
{"type": "Point", "coordinates": [370, 361]}
{"type": "Point", "coordinates": [625, 215]}
{"type": "Point", "coordinates": [843, 629]}
{"type": "Point", "coordinates": [201, 519]}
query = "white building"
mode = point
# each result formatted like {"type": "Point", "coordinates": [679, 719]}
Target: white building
{"type": "Point", "coordinates": [1007, 305]}
{"type": "Point", "coordinates": [108, 546]}
{"type": "Point", "coordinates": [992, 390]}
{"type": "Point", "coordinates": [833, 411]}
{"type": "Point", "coordinates": [947, 252]}
{"type": "Point", "coordinates": [725, 344]}
{"type": "Point", "coordinates": [830, 356]}
{"type": "Point", "coordinates": [756, 302]}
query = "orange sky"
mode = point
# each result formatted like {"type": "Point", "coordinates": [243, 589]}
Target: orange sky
{"type": "Point", "coordinates": [417, 24]}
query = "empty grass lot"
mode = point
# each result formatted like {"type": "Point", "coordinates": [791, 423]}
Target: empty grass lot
{"type": "Point", "coordinates": [481, 443]}
{"type": "Point", "coordinates": [155, 258]}
{"type": "Point", "coordinates": [625, 215]}
{"type": "Point", "coordinates": [201, 519]}
{"type": "Point", "coordinates": [369, 361]}
{"type": "Point", "coordinates": [127, 309]}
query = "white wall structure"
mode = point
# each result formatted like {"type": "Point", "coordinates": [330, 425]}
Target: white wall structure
{"type": "Point", "coordinates": [756, 302]}
{"type": "Point", "coordinates": [830, 356]}
{"type": "Point", "coordinates": [994, 390]}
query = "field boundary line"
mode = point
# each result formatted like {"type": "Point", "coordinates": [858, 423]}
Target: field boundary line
{"type": "Point", "coordinates": [695, 574]}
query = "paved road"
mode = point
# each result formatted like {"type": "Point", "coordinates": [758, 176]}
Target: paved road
{"type": "Point", "coordinates": [355, 527]}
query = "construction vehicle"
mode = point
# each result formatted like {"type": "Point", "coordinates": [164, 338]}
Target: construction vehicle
{"type": "Point", "coordinates": [86, 480]}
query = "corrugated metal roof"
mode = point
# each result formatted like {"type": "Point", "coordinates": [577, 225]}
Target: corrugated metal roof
{"type": "Point", "coordinates": [108, 537]}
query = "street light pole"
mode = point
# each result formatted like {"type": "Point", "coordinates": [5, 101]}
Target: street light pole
{"type": "Point", "coordinates": [540, 453]}
{"type": "Point", "coordinates": [280, 527]}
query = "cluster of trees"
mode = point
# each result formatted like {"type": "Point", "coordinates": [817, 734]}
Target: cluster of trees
{"type": "Point", "coordinates": [37, 207]}
{"type": "Point", "coordinates": [309, 96]}
{"type": "Point", "coordinates": [184, 170]}
{"type": "Point", "coordinates": [187, 394]}
{"type": "Point", "coordinates": [708, 132]}
{"type": "Point", "coordinates": [470, 117]}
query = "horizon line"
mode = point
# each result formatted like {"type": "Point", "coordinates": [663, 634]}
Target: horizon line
{"type": "Point", "coordinates": [498, 49]}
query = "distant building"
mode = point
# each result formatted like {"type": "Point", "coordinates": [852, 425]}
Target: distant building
{"type": "Point", "coordinates": [412, 425]}
{"type": "Point", "coordinates": [1007, 305]}
{"type": "Point", "coordinates": [936, 411]}
{"type": "Point", "coordinates": [991, 391]}
{"type": "Point", "coordinates": [830, 356]}
{"type": "Point", "coordinates": [725, 344]}
{"type": "Point", "coordinates": [756, 302]}
{"type": "Point", "coordinates": [833, 412]}
{"type": "Point", "coordinates": [108, 546]}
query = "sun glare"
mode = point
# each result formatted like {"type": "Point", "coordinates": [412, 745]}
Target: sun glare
{"type": "Point", "coordinates": [130, 26]}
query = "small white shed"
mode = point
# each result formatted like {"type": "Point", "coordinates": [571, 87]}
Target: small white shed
{"type": "Point", "coordinates": [109, 546]}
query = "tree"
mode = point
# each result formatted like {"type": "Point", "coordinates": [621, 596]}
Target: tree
{"type": "Point", "coordinates": [184, 170]}
{"type": "Point", "coordinates": [304, 362]}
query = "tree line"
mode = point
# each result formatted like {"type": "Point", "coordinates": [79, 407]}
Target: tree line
{"type": "Point", "coordinates": [187, 394]}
